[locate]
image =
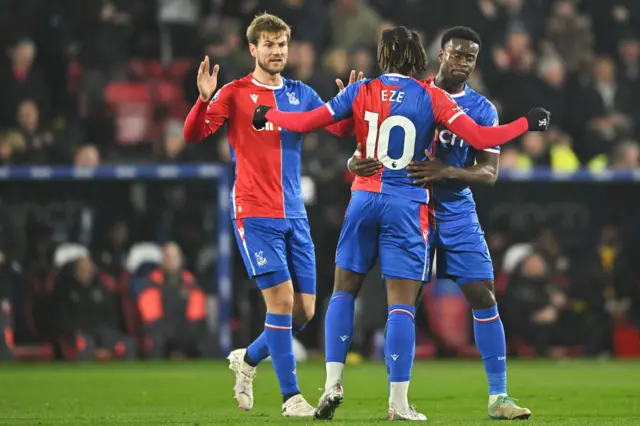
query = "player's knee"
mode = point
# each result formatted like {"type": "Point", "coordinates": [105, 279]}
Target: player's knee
{"type": "Point", "coordinates": [347, 281]}
{"type": "Point", "coordinates": [279, 299]}
{"type": "Point", "coordinates": [304, 308]}
{"type": "Point", "coordinates": [480, 294]}
{"type": "Point", "coordinates": [402, 291]}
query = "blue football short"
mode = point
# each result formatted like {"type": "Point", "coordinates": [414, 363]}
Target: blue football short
{"type": "Point", "coordinates": [461, 253]}
{"type": "Point", "coordinates": [392, 228]}
{"type": "Point", "coordinates": [280, 248]}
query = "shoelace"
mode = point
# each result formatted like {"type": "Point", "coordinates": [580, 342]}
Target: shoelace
{"type": "Point", "coordinates": [507, 400]}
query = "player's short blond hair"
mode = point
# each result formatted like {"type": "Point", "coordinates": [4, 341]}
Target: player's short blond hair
{"type": "Point", "coordinates": [266, 23]}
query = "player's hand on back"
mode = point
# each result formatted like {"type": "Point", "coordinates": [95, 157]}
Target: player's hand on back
{"type": "Point", "coordinates": [260, 117]}
{"type": "Point", "coordinates": [539, 119]}
{"type": "Point", "coordinates": [426, 171]}
{"type": "Point", "coordinates": [352, 79]}
{"type": "Point", "coordinates": [364, 167]}
{"type": "Point", "coordinates": [207, 81]}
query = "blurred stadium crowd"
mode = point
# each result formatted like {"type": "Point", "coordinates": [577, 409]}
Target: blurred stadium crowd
{"type": "Point", "coordinates": [91, 82]}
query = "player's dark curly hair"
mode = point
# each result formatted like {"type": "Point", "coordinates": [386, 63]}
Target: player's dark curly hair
{"type": "Point", "coordinates": [400, 51]}
{"type": "Point", "coordinates": [463, 33]}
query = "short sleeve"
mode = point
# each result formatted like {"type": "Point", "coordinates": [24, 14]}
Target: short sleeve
{"type": "Point", "coordinates": [490, 118]}
{"type": "Point", "coordinates": [445, 109]}
{"type": "Point", "coordinates": [341, 106]}
{"type": "Point", "coordinates": [314, 100]}
{"type": "Point", "coordinates": [219, 108]}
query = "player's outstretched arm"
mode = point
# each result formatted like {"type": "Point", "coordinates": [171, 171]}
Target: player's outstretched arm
{"type": "Point", "coordinates": [481, 137]}
{"type": "Point", "coordinates": [299, 122]}
{"type": "Point", "coordinates": [205, 117]}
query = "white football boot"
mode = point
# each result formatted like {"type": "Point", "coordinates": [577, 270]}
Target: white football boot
{"type": "Point", "coordinates": [329, 401]}
{"type": "Point", "coordinates": [245, 374]}
{"type": "Point", "coordinates": [297, 406]}
{"type": "Point", "coordinates": [410, 414]}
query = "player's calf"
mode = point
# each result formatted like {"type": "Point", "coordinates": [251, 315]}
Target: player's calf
{"type": "Point", "coordinates": [490, 340]}
{"type": "Point", "coordinates": [400, 343]}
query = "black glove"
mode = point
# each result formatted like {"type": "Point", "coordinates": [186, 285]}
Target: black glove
{"type": "Point", "coordinates": [539, 119]}
{"type": "Point", "coordinates": [260, 117]}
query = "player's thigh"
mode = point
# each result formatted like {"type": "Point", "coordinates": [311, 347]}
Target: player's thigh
{"type": "Point", "coordinates": [358, 243]}
{"type": "Point", "coordinates": [404, 239]}
{"type": "Point", "coordinates": [301, 257]}
{"type": "Point", "coordinates": [464, 255]}
{"type": "Point", "coordinates": [263, 247]}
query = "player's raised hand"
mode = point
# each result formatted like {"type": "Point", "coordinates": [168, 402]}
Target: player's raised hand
{"type": "Point", "coordinates": [352, 79]}
{"type": "Point", "coordinates": [260, 116]}
{"type": "Point", "coordinates": [363, 166]}
{"type": "Point", "coordinates": [538, 119]}
{"type": "Point", "coordinates": [429, 170]}
{"type": "Point", "coordinates": [207, 81]}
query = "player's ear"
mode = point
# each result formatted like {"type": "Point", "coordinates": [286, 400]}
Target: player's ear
{"type": "Point", "coordinates": [441, 56]}
{"type": "Point", "coordinates": [253, 49]}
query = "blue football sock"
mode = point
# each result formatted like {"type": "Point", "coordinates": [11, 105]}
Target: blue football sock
{"type": "Point", "coordinates": [490, 340]}
{"type": "Point", "coordinates": [338, 327]}
{"type": "Point", "coordinates": [400, 344]}
{"type": "Point", "coordinates": [258, 350]}
{"type": "Point", "coordinates": [277, 331]}
{"type": "Point", "coordinates": [297, 328]}
{"type": "Point", "coordinates": [386, 357]}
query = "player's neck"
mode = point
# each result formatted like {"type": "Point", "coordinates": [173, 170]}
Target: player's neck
{"type": "Point", "coordinates": [448, 86]}
{"type": "Point", "coordinates": [265, 78]}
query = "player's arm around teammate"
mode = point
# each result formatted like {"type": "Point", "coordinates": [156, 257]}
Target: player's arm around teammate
{"type": "Point", "coordinates": [484, 172]}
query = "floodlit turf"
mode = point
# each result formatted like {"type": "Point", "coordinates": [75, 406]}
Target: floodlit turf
{"type": "Point", "coordinates": [450, 393]}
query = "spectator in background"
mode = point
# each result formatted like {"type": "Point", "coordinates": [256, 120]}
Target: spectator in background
{"type": "Point", "coordinates": [603, 106]}
{"type": "Point", "coordinates": [87, 313]}
{"type": "Point", "coordinates": [173, 148]}
{"type": "Point", "coordinates": [113, 254]}
{"type": "Point", "coordinates": [354, 23]}
{"type": "Point", "coordinates": [20, 81]}
{"type": "Point", "coordinates": [535, 149]}
{"type": "Point", "coordinates": [302, 66]}
{"type": "Point", "coordinates": [534, 304]}
{"type": "Point", "coordinates": [629, 63]}
{"type": "Point", "coordinates": [336, 65]}
{"type": "Point", "coordinates": [571, 35]}
{"type": "Point", "coordinates": [626, 156]}
{"type": "Point", "coordinates": [178, 21]}
{"type": "Point", "coordinates": [310, 17]}
{"type": "Point", "coordinates": [104, 32]}
{"type": "Point", "coordinates": [87, 156]}
{"type": "Point", "coordinates": [509, 158]}
{"type": "Point", "coordinates": [39, 143]}
{"type": "Point", "coordinates": [551, 92]}
{"type": "Point", "coordinates": [173, 311]}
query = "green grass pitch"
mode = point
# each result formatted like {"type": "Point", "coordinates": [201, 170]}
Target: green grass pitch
{"type": "Point", "coordinates": [199, 393]}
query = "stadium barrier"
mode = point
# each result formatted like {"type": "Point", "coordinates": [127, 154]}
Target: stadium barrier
{"type": "Point", "coordinates": [49, 192]}
{"type": "Point", "coordinates": [577, 202]}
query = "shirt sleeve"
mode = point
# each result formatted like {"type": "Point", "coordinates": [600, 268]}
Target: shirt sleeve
{"type": "Point", "coordinates": [341, 106]}
{"type": "Point", "coordinates": [445, 109]}
{"type": "Point", "coordinates": [490, 118]}
{"type": "Point", "coordinates": [343, 128]}
{"type": "Point", "coordinates": [219, 108]}
{"type": "Point", "coordinates": [315, 100]}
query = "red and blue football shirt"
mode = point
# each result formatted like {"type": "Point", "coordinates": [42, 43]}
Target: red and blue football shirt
{"type": "Point", "coordinates": [267, 161]}
{"type": "Point", "coordinates": [395, 117]}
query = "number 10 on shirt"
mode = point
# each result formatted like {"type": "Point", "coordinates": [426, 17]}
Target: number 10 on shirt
{"type": "Point", "coordinates": [382, 136]}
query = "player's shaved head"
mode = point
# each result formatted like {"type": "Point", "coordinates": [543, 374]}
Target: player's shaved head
{"type": "Point", "coordinates": [460, 49]}
{"type": "Point", "coordinates": [400, 51]}
{"type": "Point", "coordinates": [462, 33]}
